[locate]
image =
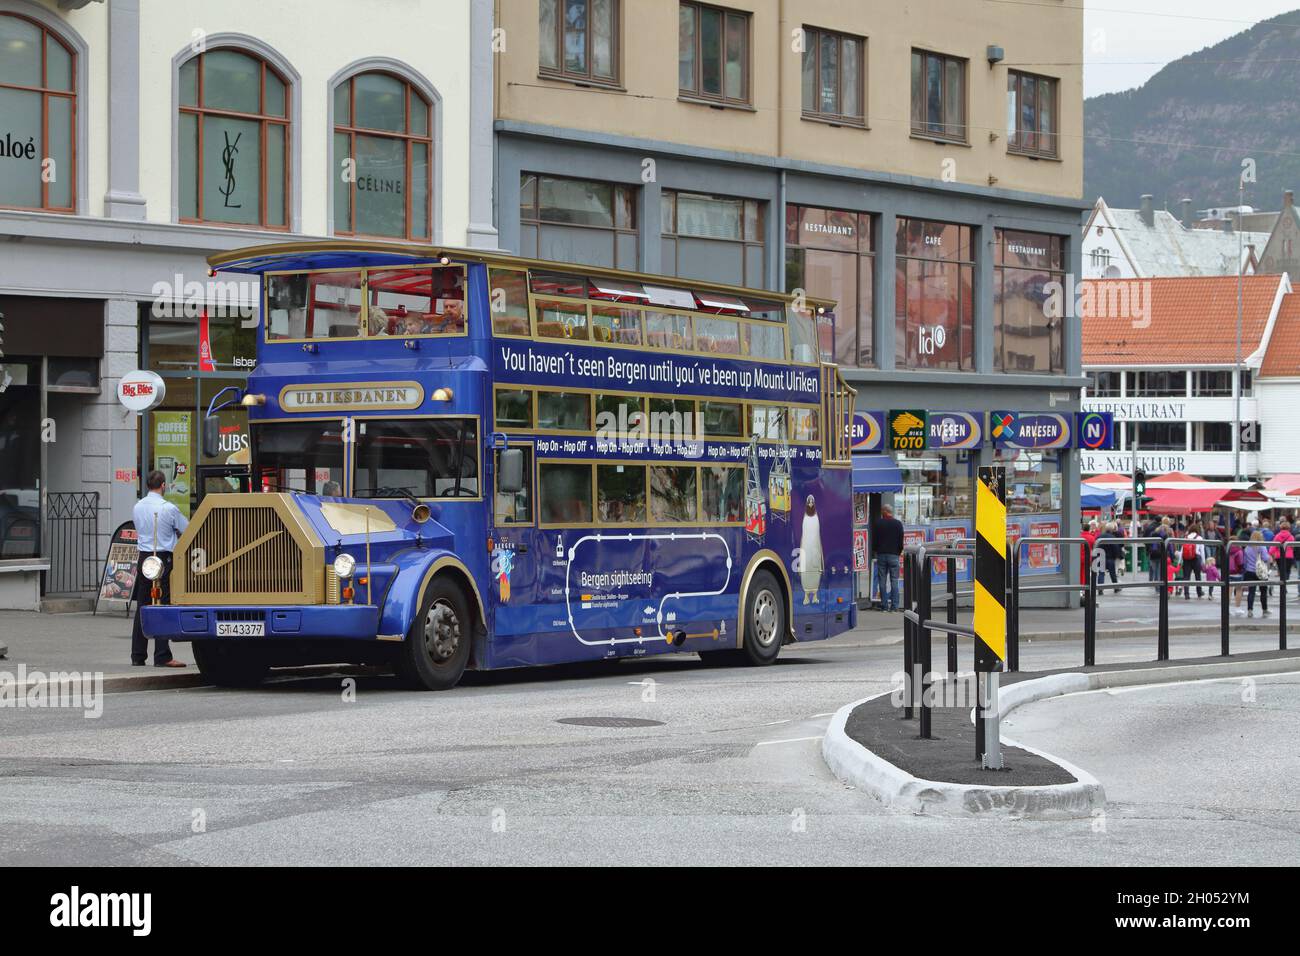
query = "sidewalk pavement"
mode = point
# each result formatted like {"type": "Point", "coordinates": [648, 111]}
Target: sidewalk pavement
{"type": "Point", "coordinates": [102, 643]}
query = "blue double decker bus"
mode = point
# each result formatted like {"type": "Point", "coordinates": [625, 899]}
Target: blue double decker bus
{"type": "Point", "coordinates": [463, 459]}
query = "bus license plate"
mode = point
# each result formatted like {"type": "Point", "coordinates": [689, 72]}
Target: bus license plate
{"type": "Point", "coordinates": [241, 629]}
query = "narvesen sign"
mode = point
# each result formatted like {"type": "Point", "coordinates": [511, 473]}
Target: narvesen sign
{"type": "Point", "coordinates": [361, 396]}
{"type": "Point", "coordinates": [956, 429]}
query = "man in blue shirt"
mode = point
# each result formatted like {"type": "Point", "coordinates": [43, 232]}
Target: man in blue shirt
{"type": "Point", "coordinates": [158, 525]}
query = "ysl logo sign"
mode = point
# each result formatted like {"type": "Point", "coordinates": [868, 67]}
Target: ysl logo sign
{"type": "Point", "coordinates": [228, 161]}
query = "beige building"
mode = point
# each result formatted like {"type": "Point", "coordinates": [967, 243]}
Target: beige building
{"type": "Point", "coordinates": [920, 163]}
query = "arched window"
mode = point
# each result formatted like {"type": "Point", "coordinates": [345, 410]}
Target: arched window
{"type": "Point", "coordinates": [234, 140]}
{"type": "Point", "coordinates": [38, 117]}
{"type": "Point", "coordinates": [382, 158]}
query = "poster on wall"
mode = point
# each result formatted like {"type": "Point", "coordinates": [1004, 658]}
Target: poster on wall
{"type": "Point", "coordinates": [1056, 490]}
{"type": "Point", "coordinates": [171, 455]}
{"type": "Point", "coordinates": [117, 582]}
{"type": "Point", "coordinates": [859, 550]}
{"type": "Point", "coordinates": [1041, 557]}
{"type": "Point", "coordinates": [948, 537]}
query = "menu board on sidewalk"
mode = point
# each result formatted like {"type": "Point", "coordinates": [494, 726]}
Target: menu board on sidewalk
{"type": "Point", "coordinates": [117, 583]}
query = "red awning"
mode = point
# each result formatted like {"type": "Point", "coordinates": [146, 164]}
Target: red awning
{"type": "Point", "coordinates": [1186, 501]}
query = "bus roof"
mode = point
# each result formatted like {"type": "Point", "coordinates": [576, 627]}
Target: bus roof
{"type": "Point", "coordinates": [344, 253]}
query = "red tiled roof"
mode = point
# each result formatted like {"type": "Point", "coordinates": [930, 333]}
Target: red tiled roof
{"type": "Point", "coordinates": [1192, 319]}
{"type": "Point", "coordinates": [1283, 356]}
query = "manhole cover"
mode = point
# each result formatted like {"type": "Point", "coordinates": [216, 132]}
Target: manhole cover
{"type": "Point", "coordinates": [610, 722]}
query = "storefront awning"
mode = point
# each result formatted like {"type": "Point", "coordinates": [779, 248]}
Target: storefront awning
{"type": "Point", "coordinates": [1193, 500]}
{"type": "Point", "coordinates": [876, 474]}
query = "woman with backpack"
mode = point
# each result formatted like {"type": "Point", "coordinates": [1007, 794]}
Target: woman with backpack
{"type": "Point", "coordinates": [1193, 560]}
{"type": "Point", "coordinates": [1258, 569]}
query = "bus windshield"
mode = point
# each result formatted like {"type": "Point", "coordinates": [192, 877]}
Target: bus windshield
{"type": "Point", "coordinates": [299, 456]}
{"type": "Point", "coordinates": [423, 457]}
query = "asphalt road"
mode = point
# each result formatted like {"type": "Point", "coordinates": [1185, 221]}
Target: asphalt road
{"type": "Point", "coordinates": [294, 773]}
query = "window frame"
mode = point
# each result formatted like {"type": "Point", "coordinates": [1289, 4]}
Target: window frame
{"type": "Point", "coordinates": [74, 119]}
{"type": "Point", "coordinates": [812, 37]}
{"type": "Point", "coordinates": [923, 131]}
{"type": "Point", "coordinates": [698, 94]}
{"type": "Point", "coordinates": [589, 78]}
{"type": "Point", "coordinates": [1015, 145]}
{"type": "Point", "coordinates": [351, 130]}
{"type": "Point", "coordinates": [476, 449]}
{"type": "Point", "coordinates": [262, 118]}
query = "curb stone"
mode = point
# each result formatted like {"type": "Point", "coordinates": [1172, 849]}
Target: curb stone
{"type": "Point", "coordinates": [854, 764]}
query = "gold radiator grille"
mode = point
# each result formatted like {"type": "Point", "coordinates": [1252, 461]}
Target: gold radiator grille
{"type": "Point", "coordinates": [248, 549]}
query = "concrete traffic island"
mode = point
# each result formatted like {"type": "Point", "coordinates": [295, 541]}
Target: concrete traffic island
{"type": "Point", "coordinates": [870, 746]}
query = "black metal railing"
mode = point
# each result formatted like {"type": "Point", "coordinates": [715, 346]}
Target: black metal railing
{"type": "Point", "coordinates": [72, 541]}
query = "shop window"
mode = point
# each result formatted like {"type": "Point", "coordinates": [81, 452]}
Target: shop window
{"type": "Point", "coordinates": [934, 302]}
{"type": "Point", "coordinates": [1033, 481]}
{"type": "Point", "coordinates": [38, 104]}
{"type": "Point", "coordinates": [1031, 114]}
{"type": "Point", "coordinates": [832, 76]}
{"type": "Point", "coordinates": [936, 485]}
{"type": "Point", "coordinates": [830, 254]}
{"type": "Point", "coordinates": [234, 141]}
{"type": "Point", "coordinates": [713, 54]}
{"type": "Point", "coordinates": [938, 96]}
{"type": "Point", "coordinates": [1026, 337]}
{"type": "Point", "coordinates": [382, 126]}
{"type": "Point", "coordinates": [578, 220]}
{"type": "Point", "coordinates": [578, 40]}
{"type": "Point", "coordinates": [20, 458]}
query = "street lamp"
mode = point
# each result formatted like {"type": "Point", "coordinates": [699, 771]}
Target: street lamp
{"type": "Point", "coordinates": [1236, 387]}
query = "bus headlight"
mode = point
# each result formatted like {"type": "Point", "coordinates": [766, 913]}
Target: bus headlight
{"type": "Point", "coordinates": [344, 565]}
{"type": "Point", "coordinates": [152, 567]}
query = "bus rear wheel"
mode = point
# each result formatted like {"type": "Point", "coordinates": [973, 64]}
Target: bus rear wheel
{"type": "Point", "coordinates": [230, 665]}
{"type": "Point", "coordinates": [764, 626]}
{"type": "Point", "coordinates": [436, 651]}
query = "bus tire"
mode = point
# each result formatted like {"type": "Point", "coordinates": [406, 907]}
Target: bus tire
{"type": "Point", "coordinates": [436, 651]}
{"type": "Point", "coordinates": [765, 618]}
{"type": "Point", "coordinates": [230, 665]}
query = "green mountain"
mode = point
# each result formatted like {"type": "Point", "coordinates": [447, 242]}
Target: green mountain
{"type": "Point", "coordinates": [1187, 130]}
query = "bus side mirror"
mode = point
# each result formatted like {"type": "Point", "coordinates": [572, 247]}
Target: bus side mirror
{"type": "Point", "coordinates": [510, 471]}
{"type": "Point", "coordinates": [211, 437]}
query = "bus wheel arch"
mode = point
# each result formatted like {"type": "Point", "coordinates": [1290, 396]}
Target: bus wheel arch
{"type": "Point", "coordinates": [440, 644]}
{"type": "Point", "coordinates": [765, 561]}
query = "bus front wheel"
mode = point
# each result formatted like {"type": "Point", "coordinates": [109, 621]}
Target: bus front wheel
{"type": "Point", "coordinates": [436, 651]}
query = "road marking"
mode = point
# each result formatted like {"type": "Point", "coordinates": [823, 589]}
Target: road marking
{"type": "Point", "coordinates": [790, 740]}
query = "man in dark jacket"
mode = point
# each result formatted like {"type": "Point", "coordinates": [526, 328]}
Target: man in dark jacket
{"type": "Point", "coordinates": [887, 538]}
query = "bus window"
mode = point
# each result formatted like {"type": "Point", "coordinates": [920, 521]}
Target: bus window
{"type": "Point", "coordinates": [672, 493]}
{"type": "Point", "coordinates": [721, 336]}
{"type": "Point", "coordinates": [620, 493]}
{"type": "Point", "coordinates": [619, 414]}
{"type": "Point", "coordinates": [564, 411]}
{"type": "Point", "coordinates": [764, 341]}
{"type": "Point", "coordinates": [514, 408]}
{"type": "Point", "coordinates": [561, 320]}
{"type": "Point", "coordinates": [767, 422]}
{"type": "Point", "coordinates": [803, 336]}
{"type": "Point", "coordinates": [316, 305]}
{"type": "Point", "coordinates": [409, 302]}
{"type": "Point", "coordinates": [565, 493]}
{"type": "Point", "coordinates": [666, 330]}
{"type": "Point", "coordinates": [508, 295]}
{"type": "Point", "coordinates": [515, 508]}
{"type": "Point", "coordinates": [803, 424]}
{"type": "Point", "coordinates": [299, 456]}
{"type": "Point", "coordinates": [723, 490]}
{"type": "Point", "coordinates": [721, 419]}
{"type": "Point", "coordinates": [424, 457]}
{"type": "Point", "coordinates": [610, 323]}
{"type": "Point", "coordinates": [672, 419]}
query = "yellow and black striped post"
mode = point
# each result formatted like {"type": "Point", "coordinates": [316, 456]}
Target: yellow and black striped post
{"type": "Point", "coordinates": [990, 608]}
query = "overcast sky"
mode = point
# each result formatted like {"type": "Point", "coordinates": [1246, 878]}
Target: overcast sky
{"type": "Point", "coordinates": [1132, 45]}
